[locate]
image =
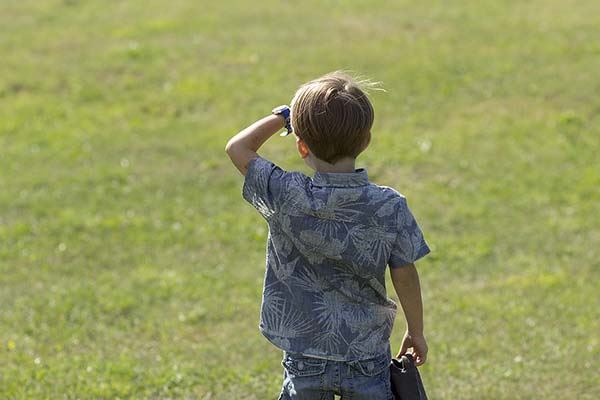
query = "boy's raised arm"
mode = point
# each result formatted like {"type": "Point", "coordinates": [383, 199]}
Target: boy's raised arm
{"type": "Point", "coordinates": [407, 286]}
{"type": "Point", "coordinates": [243, 147]}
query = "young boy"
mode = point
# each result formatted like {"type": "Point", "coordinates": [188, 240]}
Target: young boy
{"type": "Point", "coordinates": [330, 240]}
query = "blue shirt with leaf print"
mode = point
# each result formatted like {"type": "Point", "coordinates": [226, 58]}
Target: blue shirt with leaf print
{"type": "Point", "coordinates": [331, 238]}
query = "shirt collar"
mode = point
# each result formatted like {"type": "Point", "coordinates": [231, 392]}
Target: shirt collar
{"type": "Point", "coordinates": [342, 179]}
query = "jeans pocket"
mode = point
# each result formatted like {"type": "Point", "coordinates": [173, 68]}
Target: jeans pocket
{"type": "Point", "coordinates": [373, 366]}
{"type": "Point", "coordinates": [370, 378]}
{"type": "Point", "coordinates": [299, 365]}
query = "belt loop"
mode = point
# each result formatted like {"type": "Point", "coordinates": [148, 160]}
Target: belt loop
{"type": "Point", "coordinates": [352, 365]}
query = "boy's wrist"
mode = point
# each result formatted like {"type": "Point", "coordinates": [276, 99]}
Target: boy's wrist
{"type": "Point", "coordinates": [280, 118]}
{"type": "Point", "coordinates": [284, 112]}
{"type": "Point", "coordinates": [415, 332]}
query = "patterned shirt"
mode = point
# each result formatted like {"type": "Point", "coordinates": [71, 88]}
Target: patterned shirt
{"type": "Point", "coordinates": [330, 239]}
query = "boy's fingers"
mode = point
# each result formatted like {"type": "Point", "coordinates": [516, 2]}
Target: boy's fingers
{"type": "Point", "coordinates": [420, 360]}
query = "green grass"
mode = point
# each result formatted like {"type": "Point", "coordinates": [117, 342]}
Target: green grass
{"type": "Point", "coordinates": [131, 267]}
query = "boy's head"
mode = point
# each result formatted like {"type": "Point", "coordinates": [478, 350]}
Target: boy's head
{"type": "Point", "coordinates": [333, 116]}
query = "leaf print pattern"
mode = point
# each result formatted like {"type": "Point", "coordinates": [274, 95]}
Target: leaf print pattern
{"type": "Point", "coordinates": [327, 343]}
{"type": "Point", "coordinates": [372, 243]}
{"type": "Point", "coordinates": [328, 312]}
{"type": "Point", "coordinates": [284, 245]}
{"type": "Point", "coordinates": [296, 199]}
{"type": "Point", "coordinates": [368, 341]}
{"type": "Point", "coordinates": [283, 270]}
{"type": "Point", "coordinates": [388, 208]}
{"type": "Point", "coordinates": [310, 281]}
{"type": "Point", "coordinates": [262, 186]}
{"type": "Point", "coordinates": [345, 205]}
{"type": "Point", "coordinates": [316, 244]}
{"type": "Point", "coordinates": [285, 321]}
{"type": "Point", "coordinates": [272, 302]}
{"type": "Point", "coordinates": [331, 238]}
{"type": "Point", "coordinates": [360, 319]}
{"type": "Point", "coordinates": [329, 227]}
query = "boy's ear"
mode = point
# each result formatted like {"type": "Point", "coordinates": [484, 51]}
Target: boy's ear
{"type": "Point", "coordinates": [302, 147]}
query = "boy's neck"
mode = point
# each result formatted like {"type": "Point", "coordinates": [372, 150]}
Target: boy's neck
{"type": "Point", "coordinates": [345, 165]}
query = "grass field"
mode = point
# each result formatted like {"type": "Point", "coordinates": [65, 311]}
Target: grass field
{"type": "Point", "coordinates": [131, 267]}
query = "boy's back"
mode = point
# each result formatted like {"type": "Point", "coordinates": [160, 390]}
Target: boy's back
{"type": "Point", "coordinates": [330, 240]}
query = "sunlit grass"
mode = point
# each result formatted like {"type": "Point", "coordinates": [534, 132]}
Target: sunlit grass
{"type": "Point", "coordinates": [131, 267]}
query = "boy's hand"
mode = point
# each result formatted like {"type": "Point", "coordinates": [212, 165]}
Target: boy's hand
{"type": "Point", "coordinates": [419, 346]}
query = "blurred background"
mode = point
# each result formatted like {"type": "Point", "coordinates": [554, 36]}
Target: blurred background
{"type": "Point", "coordinates": [131, 267]}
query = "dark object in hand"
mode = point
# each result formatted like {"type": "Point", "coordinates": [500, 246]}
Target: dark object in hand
{"type": "Point", "coordinates": [406, 381]}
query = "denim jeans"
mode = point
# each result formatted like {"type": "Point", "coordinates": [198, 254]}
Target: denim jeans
{"type": "Point", "coordinates": [308, 378]}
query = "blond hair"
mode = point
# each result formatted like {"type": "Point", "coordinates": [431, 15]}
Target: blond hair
{"type": "Point", "coordinates": [333, 115]}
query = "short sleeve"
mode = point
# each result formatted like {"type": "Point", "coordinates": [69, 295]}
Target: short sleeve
{"type": "Point", "coordinates": [263, 184]}
{"type": "Point", "coordinates": [410, 244]}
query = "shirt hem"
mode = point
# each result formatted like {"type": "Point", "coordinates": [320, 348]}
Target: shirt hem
{"type": "Point", "coordinates": [321, 356]}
